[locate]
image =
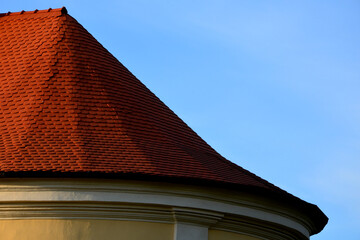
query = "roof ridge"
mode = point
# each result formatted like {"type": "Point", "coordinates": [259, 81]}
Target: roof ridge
{"type": "Point", "coordinates": [63, 10]}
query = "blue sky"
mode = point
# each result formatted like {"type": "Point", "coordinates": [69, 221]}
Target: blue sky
{"type": "Point", "coordinates": [272, 85]}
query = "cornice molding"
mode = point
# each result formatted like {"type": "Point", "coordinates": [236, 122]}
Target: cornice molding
{"type": "Point", "coordinates": [149, 201]}
{"type": "Point", "coordinates": [256, 228]}
{"type": "Point", "coordinates": [196, 216]}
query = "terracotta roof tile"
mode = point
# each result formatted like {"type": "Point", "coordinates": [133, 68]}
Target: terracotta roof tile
{"type": "Point", "coordinates": [67, 105]}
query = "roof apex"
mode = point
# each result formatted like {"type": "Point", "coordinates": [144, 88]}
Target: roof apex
{"type": "Point", "coordinates": [62, 10]}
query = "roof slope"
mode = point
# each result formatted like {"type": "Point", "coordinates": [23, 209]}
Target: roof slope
{"type": "Point", "coordinates": [68, 106]}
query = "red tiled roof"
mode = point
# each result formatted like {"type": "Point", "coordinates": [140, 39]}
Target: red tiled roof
{"type": "Point", "coordinates": [67, 106]}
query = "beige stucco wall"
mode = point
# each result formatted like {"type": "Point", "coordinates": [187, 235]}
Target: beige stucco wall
{"type": "Point", "coordinates": [83, 230]}
{"type": "Point", "coordinates": [222, 235]}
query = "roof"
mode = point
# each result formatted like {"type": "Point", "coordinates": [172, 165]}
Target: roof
{"type": "Point", "coordinates": [69, 107]}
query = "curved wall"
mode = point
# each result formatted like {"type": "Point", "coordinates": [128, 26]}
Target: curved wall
{"type": "Point", "coordinates": [222, 235]}
{"type": "Point", "coordinates": [61, 229]}
{"type": "Point", "coordinates": [86, 208]}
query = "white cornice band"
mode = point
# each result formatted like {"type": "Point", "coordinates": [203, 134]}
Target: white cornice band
{"type": "Point", "coordinates": [189, 207]}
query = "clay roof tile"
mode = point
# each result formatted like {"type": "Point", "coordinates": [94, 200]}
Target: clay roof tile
{"type": "Point", "coordinates": [68, 106]}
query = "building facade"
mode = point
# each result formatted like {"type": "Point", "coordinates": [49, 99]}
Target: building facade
{"type": "Point", "coordinates": [88, 152]}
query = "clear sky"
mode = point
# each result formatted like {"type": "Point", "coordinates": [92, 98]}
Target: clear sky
{"type": "Point", "coordinates": [272, 85]}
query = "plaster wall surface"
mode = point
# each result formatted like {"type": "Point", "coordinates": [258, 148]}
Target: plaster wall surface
{"type": "Point", "coordinates": [72, 229]}
{"type": "Point", "coordinates": [222, 235]}
{"type": "Point", "coordinates": [83, 230]}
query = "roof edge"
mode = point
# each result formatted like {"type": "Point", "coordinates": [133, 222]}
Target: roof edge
{"type": "Point", "coordinates": [317, 219]}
